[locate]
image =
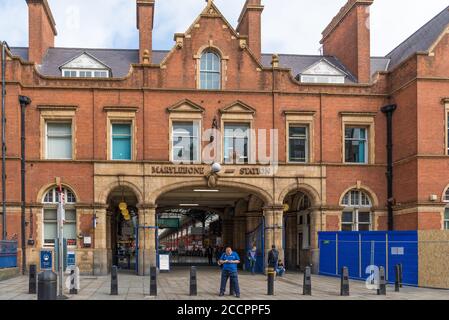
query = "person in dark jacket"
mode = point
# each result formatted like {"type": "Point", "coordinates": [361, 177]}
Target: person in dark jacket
{"type": "Point", "coordinates": [273, 257]}
{"type": "Point", "coordinates": [210, 254]}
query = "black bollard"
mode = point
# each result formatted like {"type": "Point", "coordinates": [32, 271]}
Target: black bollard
{"type": "Point", "coordinates": [73, 289]}
{"type": "Point", "coordinates": [344, 289]}
{"type": "Point", "coordinates": [270, 282]}
{"type": "Point", "coordinates": [400, 275]}
{"type": "Point", "coordinates": [47, 285]}
{"type": "Point", "coordinates": [396, 281]}
{"type": "Point", "coordinates": [382, 283]}
{"type": "Point", "coordinates": [193, 282]}
{"type": "Point", "coordinates": [114, 281]}
{"type": "Point", "coordinates": [307, 287]}
{"type": "Point", "coordinates": [32, 281]}
{"type": "Point", "coordinates": [153, 281]}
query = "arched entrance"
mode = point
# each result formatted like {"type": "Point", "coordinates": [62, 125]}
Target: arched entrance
{"type": "Point", "coordinates": [122, 220]}
{"type": "Point", "coordinates": [206, 220]}
{"type": "Point", "coordinates": [297, 230]}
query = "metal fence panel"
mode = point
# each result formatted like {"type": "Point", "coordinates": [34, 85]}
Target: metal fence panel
{"type": "Point", "coordinates": [8, 254]}
{"type": "Point", "coordinates": [358, 250]}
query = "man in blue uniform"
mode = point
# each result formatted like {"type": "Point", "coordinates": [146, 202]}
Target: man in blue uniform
{"type": "Point", "coordinates": [229, 260]}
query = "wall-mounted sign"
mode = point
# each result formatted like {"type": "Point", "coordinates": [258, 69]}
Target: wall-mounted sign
{"type": "Point", "coordinates": [46, 260]}
{"type": "Point", "coordinates": [168, 223]}
{"type": "Point", "coordinates": [181, 170]}
{"type": "Point", "coordinates": [71, 259]}
{"type": "Point", "coordinates": [397, 251]}
{"type": "Point", "coordinates": [263, 171]}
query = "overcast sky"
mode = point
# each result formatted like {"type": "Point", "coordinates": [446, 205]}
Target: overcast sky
{"type": "Point", "coordinates": [289, 26]}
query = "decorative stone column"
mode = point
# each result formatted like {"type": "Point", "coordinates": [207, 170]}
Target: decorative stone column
{"type": "Point", "coordinates": [315, 227]}
{"type": "Point", "coordinates": [101, 261]}
{"type": "Point", "coordinates": [273, 229]}
{"type": "Point", "coordinates": [147, 238]}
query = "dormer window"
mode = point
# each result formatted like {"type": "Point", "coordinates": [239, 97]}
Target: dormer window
{"type": "Point", "coordinates": [322, 72]}
{"type": "Point", "coordinates": [85, 66]}
{"type": "Point", "coordinates": [73, 73]}
{"type": "Point", "coordinates": [210, 71]}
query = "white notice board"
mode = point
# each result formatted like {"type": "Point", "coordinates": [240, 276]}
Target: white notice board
{"type": "Point", "coordinates": [164, 262]}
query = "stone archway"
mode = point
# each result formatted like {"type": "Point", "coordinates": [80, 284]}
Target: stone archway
{"type": "Point", "coordinates": [300, 219]}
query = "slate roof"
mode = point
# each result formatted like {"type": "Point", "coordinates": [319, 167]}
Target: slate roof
{"type": "Point", "coordinates": [421, 40]}
{"type": "Point", "coordinates": [119, 60]}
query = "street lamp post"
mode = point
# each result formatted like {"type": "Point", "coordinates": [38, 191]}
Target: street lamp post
{"type": "Point", "coordinates": [24, 102]}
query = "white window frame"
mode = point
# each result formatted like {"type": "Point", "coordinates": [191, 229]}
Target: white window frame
{"type": "Point", "coordinates": [46, 138]}
{"type": "Point", "coordinates": [52, 205]}
{"type": "Point", "coordinates": [307, 144]}
{"type": "Point", "coordinates": [196, 125]}
{"type": "Point", "coordinates": [363, 204]}
{"type": "Point", "coordinates": [249, 136]}
{"type": "Point", "coordinates": [219, 72]}
{"type": "Point", "coordinates": [111, 139]}
{"type": "Point", "coordinates": [321, 78]}
{"type": "Point", "coordinates": [367, 141]}
{"type": "Point", "coordinates": [78, 72]}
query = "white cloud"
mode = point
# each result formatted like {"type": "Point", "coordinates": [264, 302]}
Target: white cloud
{"type": "Point", "coordinates": [289, 26]}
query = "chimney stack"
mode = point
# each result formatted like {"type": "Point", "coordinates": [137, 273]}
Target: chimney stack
{"type": "Point", "coordinates": [347, 38]}
{"type": "Point", "coordinates": [250, 25]}
{"type": "Point", "coordinates": [145, 19]}
{"type": "Point", "coordinates": [42, 29]}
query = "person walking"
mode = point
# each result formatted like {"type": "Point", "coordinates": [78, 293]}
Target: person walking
{"type": "Point", "coordinates": [229, 260]}
{"type": "Point", "coordinates": [252, 257]}
{"type": "Point", "coordinates": [210, 253]}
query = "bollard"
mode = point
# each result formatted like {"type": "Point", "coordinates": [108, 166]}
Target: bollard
{"type": "Point", "coordinates": [270, 282]}
{"type": "Point", "coordinates": [32, 281]}
{"type": "Point", "coordinates": [153, 281]}
{"type": "Point", "coordinates": [400, 275]}
{"type": "Point", "coordinates": [114, 281]}
{"type": "Point", "coordinates": [396, 281]}
{"type": "Point", "coordinates": [344, 290]}
{"type": "Point", "coordinates": [73, 289]}
{"type": "Point", "coordinates": [47, 285]}
{"type": "Point", "coordinates": [382, 283]}
{"type": "Point", "coordinates": [307, 287]}
{"type": "Point", "coordinates": [193, 282]}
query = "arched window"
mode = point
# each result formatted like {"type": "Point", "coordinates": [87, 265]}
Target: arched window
{"type": "Point", "coordinates": [210, 71]}
{"type": "Point", "coordinates": [357, 213]}
{"type": "Point", "coordinates": [50, 213]}
{"type": "Point", "coordinates": [446, 195]}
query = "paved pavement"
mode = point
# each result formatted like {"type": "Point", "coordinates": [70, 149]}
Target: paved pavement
{"type": "Point", "coordinates": [175, 286]}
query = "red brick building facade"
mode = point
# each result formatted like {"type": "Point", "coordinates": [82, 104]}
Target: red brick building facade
{"type": "Point", "coordinates": [328, 106]}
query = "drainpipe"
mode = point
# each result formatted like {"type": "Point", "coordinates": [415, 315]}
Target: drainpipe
{"type": "Point", "coordinates": [24, 101]}
{"type": "Point", "coordinates": [388, 111]}
{"type": "Point", "coordinates": [4, 47]}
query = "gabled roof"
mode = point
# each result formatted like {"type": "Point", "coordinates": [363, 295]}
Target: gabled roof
{"type": "Point", "coordinates": [422, 40]}
{"type": "Point", "coordinates": [90, 56]}
{"type": "Point", "coordinates": [325, 62]}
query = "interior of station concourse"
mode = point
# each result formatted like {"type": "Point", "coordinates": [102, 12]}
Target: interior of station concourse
{"type": "Point", "coordinates": [194, 225]}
